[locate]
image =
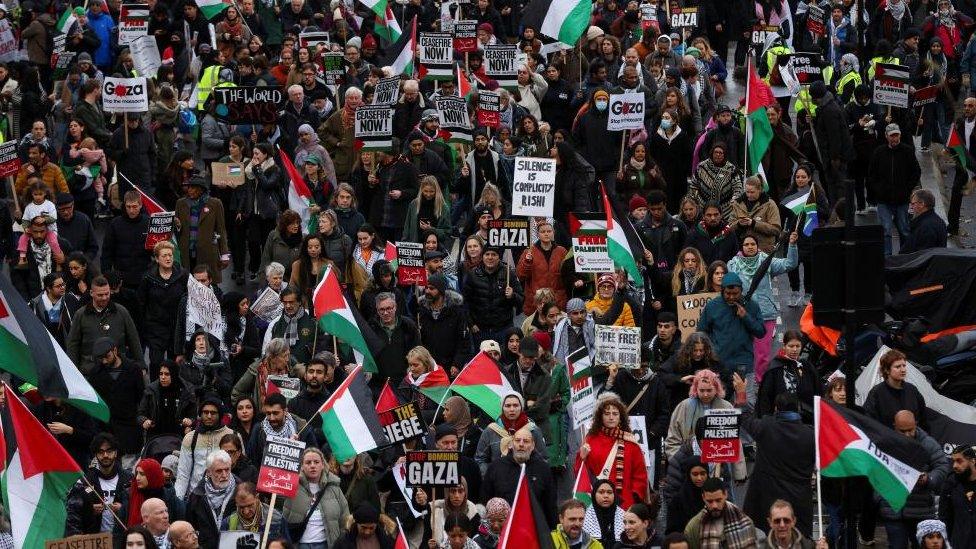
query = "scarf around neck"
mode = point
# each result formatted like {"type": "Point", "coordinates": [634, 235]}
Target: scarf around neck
{"type": "Point", "coordinates": [289, 428]}
{"type": "Point", "coordinates": [217, 498]}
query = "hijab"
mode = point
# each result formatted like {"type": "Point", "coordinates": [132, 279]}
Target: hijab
{"type": "Point", "coordinates": [461, 413]}
{"type": "Point", "coordinates": [605, 515]}
{"type": "Point", "coordinates": [154, 489]}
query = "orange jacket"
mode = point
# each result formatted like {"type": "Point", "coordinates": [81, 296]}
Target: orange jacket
{"type": "Point", "coordinates": [541, 274]}
{"type": "Point", "coordinates": [52, 176]}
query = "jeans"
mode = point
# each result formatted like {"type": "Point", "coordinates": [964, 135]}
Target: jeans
{"type": "Point", "coordinates": [893, 216]}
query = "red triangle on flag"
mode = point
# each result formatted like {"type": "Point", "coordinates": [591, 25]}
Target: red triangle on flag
{"type": "Point", "coordinates": [39, 451]}
{"type": "Point", "coordinates": [328, 295]}
{"type": "Point", "coordinates": [760, 94]}
{"type": "Point", "coordinates": [387, 400]}
{"type": "Point", "coordinates": [525, 527]}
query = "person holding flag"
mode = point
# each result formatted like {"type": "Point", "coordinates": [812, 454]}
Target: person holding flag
{"type": "Point", "coordinates": [803, 199]}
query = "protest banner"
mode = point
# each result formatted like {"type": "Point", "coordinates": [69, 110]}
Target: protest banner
{"type": "Point", "coordinates": [267, 306]}
{"type": "Point", "coordinates": [125, 94]}
{"type": "Point", "coordinates": [816, 20]}
{"type": "Point", "coordinates": [452, 113]}
{"type": "Point", "coordinates": [248, 104]}
{"type": "Point", "coordinates": [489, 109]}
{"type": "Point", "coordinates": [500, 64]}
{"type": "Point", "coordinates": [465, 36]}
{"type": "Point", "coordinates": [8, 42]}
{"type": "Point", "coordinates": [891, 85]}
{"type": "Point", "coordinates": [436, 56]}
{"type": "Point", "coordinates": [239, 539]}
{"type": "Point", "coordinates": [228, 174]}
{"type": "Point", "coordinates": [434, 468]}
{"type": "Point", "coordinates": [101, 540]}
{"type": "Point", "coordinates": [618, 345]}
{"type": "Point", "coordinates": [582, 395]}
{"type": "Point", "coordinates": [410, 264]}
{"type": "Point", "coordinates": [720, 441]}
{"type": "Point", "coordinates": [374, 128]}
{"type": "Point", "coordinates": [160, 228]}
{"type": "Point", "coordinates": [590, 254]}
{"type": "Point", "coordinates": [333, 67]}
{"type": "Point", "coordinates": [534, 187]}
{"type": "Point", "coordinates": [925, 96]}
{"type": "Point", "coordinates": [402, 423]}
{"type": "Point", "coordinates": [279, 466]}
{"type": "Point", "coordinates": [684, 17]}
{"type": "Point", "coordinates": [764, 34]}
{"type": "Point", "coordinates": [287, 386]}
{"type": "Point", "coordinates": [510, 234]}
{"type": "Point", "coordinates": [689, 310]}
{"type": "Point", "coordinates": [203, 308]}
{"type": "Point", "coordinates": [60, 58]}
{"type": "Point", "coordinates": [626, 112]}
{"type": "Point", "coordinates": [133, 22]}
{"type": "Point", "coordinates": [807, 67]}
{"type": "Point", "coordinates": [648, 14]}
{"type": "Point", "coordinates": [312, 39]}
{"type": "Point", "coordinates": [638, 426]}
{"type": "Point", "coordinates": [387, 91]}
{"type": "Point", "coordinates": [9, 159]}
{"type": "Point", "coordinates": [145, 55]}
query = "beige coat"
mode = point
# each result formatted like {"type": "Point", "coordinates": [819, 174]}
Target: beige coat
{"type": "Point", "coordinates": [766, 222]}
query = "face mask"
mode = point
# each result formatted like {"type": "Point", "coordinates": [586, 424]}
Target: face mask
{"type": "Point", "coordinates": [666, 123]}
{"type": "Point", "coordinates": [601, 105]}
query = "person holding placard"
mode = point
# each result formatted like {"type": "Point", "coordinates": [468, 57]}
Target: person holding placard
{"type": "Point", "coordinates": [610, 451]}
{"type": "Point", "coordinates": [539, 267]}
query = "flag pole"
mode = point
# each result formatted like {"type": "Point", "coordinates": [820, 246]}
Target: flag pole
{"type": "Point", "coordinates": [745, 149]}
{"type": "Point", "coordinates": [816, 429]}
{"type": "Point", "coordinates": [267, 522]}
{"type": "Point", "coordinates": [108, 506]}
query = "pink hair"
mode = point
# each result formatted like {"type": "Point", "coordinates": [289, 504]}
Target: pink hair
{"type": "Point", "coordinates": [706, 376]}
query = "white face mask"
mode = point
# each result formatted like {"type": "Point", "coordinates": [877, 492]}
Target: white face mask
{"type": "Point", "coordinates": [601, 105]}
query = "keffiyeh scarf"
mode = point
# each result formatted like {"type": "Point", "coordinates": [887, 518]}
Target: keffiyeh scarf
{"type": "Point", "coordinates": [289, 428]}
{"type": "Point", "coordinates": [733, 530]}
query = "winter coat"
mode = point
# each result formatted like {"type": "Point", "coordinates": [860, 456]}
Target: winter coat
{"type": "Point", "coordinates": [830, 128]}
{"type": "Point", "coordinates": [35, 39]}
{"type": "Point", "coordinates": [763, 295]}
{"type": "Point", "coordinates": [332, 505]}
{"type": "Point", "coordinates": [81, 519]}
{"type": "Point", "coordinates": [122, 395]}
{"type": "Point", "coordinates": [350, 220]}
{"type": "Point", "coordinates": [575, 183]}
{"type": "Point", "coordinates": [277, 250]}
{"type": "Point", "coordinates": [87, 325]}
{"type": "Point", "coordinates": [673, 157]}
{"type": "Point", "coordinates": [445, 335]}
{"type": "Point", "coordinates": [652, 403]}
{"type": "Point", "coordinates": [957, 509]}
{"type": "Point", "coordinates": [441, 225]}
{"type": "Point", "coordinates": [560, 541]}
{"type": "Point", "coordinates": [484, 294]}
{"type": "Point", "coordinates": [927, 230]}
{"type": "Point", "coordinates": [723, 245]}
{"type": "Point", "coordinates": [135, 159]}
{"type": "Point", "coordinates": [783, 377]}
{"type": "Point", "coordinates": [84, 428]}
{"type": "Point", "coordinates": [339, 142]}
{"type": "Point", "coordinates": [194, 449]}
{"type": "Point", "coordinates": [780, 157]}
{"type": "Point", "coordinates": [390, 361]}
{"type": "Point", "coordinates": [211, 236]}
{"type": "Point", "coordinates": [637, 182]}
{"type": "Point", "coordinates": [600, 148]}
{"type": "Point", "coordinates": [765, 217]}
{"type": "Point", "coordinates": [921, 500]}
{"type": "Point", "coordinates": [634, 472]}
{"type": "Point", "coordinates": [201, 515]}
{"type": "Point", "coordinates": [557, 440]}
{"type": "Point", "coordinates": [489, 445]}
{"type": "Point", "coordinates": [884, 401]}
{"type": "Point", "coordinates": [541, 272]}
{"type": "Point", "coordinates": [535, 390]}
{"type": "Point", "coordinates": [61, 328]}
{"type": "Point", "coordinates": [731, 335]}
{"type": "Point", "coordinates": [398, 175]}
{"type": "Point", "coordinates": [124, 248]}
{"type": "Point", "coordinates": [502, 477]}
{"type": "Point", "coordinates": [337, 246]}
{"type": "Point", "coordinates": [893, 173]}
{"type": "Point", "coordinates": [159, 300]}
{"type": "Point", "coordinates": [556, 104]}
{"type": "Point", "coordinates": [214, 136]}
{"type": "Point", "coordinates": [264, 191]}
{"type": "Point", "coordinates": [149, 407]}
{"type": "Point", "coordinates": [104, 26]}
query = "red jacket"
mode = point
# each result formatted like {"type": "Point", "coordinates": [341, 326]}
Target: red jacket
{"type": "Point", "coordinates": [635, 470]}
{"type": "Point", "coordinates": [541, 274]}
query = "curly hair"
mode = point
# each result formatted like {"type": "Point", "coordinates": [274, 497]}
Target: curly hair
{"type": "Point", "coordinates": [603, 402]}
{"type": "Point", "coordinates": [684, 359]}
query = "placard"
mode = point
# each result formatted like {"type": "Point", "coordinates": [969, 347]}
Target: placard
{"type": "Point", "coordinates": [410, 264]}
{"type": "Point", "coordinates": [101, 540]}
{"type": "Point", "coordinates": [510, 234]}
{"type": "Point", "coordinates": [763, 34]}
{"type": "Point", "coordinates": [618, 345]}
{"type": "Point", "coordinates": [446, 17]}
{"type": "Point", "coordinates": [638, 426]}
{"type": "Point", "coordinates": [452, 113]}
{"type": "Point", "coordinates": [436, 56]}
{"type": "Point", "coordinates": [133, 22]}
{"type": "Point", "coordinates": [9, 159]}
{"type": "Point", "coordinates": [312, 39]}
{"type": "Point", "coordinates": [8, 42]}
{"type": "Point", "coordinates": [239, 539]}
{"type": "Point", "coordinates": [203, 308]}
{"type": "Point", "coordinates": [387, 91]}
{"type": "Point", "coordinates": [489, 109]}
{"type": "Point", "coordinates": [125, 94]}
{"type": "Point", "coordinates": [891, 85]}
{"type": "Point", "coordinates": [289, 387]}
{"type": "Point", "coordinates": [160, 228]}
{"type": "Point", "coordinates": [648, 14]}
{"type": "Point", "coordinates": [248, 104]}
{"type": "Point", "coordinates": [534, 186]}
{"type": "Point", "coordinates": [590, 253]}
{"type": "Point", "coordinates": [280, 465]}
{"type": "Point", "coordinates": [60, 58]}
{"type": "Point", "coordinates": [807, 67]}
{"type": "Point", "coordinates": [689, 309]}
{"type": "Point", "coordinates": [626, 112]}
{"type": "Point", "coordinates": [466, 36]}
{"type": "Point", "coordinates": [145, 55]}
{"type": "Point", "coordinates": [816, 20]}
{"type": "Point", "coordinates": [374, 127]}
{"type": "Point", "coordinates": [925, 96]}
{"type": "Point", "coordinates": [500, 64]}
{"type": "Point", "coordinates": [402, 423]}
{"type": "Point", "coordinates": [267, 306]}
{"type": "Point", "coordinates": [333, 67]}
{"type": "Point", "coordinates": [582, 396]}
{"type": "Point", "coordinates": [686, 17]}
{"type": "Point", "coordinates": [720, 443]}
{"type": "Point", "coordinates": [230, 174]}
{"type": "Point", "coordinates": [434, 468]}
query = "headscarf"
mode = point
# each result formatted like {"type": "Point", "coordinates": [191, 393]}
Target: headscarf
{"type": "Point", "coordinates": [511, 426]}
{"type": "Point", "coordinates": [852, 61]}
{"type": "Point", "coordinates": [494, 508]}
{"type": "Point", "coordinates": [932, 526]}
{"type": "Point", "coordinates": [606, 517]}
{"type": "Point", "coordinates": [154, 474]}
{"type": "Point", "coordinates": [460, 413]}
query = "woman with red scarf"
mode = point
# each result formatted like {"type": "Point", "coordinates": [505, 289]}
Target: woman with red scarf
{"type": "Point", "coordinates": [149, 482]}
{"type": "Point", "coordinates": [786, 374]}
{"type": "Point", "coordinates": [496, 439]}
{"type": "Point", "coordinates": [610, 451]}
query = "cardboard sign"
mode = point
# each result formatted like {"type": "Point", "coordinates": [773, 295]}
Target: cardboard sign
{"type": "Point", "coordinates": [816, 20]}
{"type": "Point", "coordinates": [436, 55]}
{"type": "Point", "coordinates": [312, 39]}
{"type": "Point", "coordinates": [466, 36]}
{"type": "Point", "coordinates": [239, 539]}
{"type": "Point", "coordinates": [280, 466]}
{"type": "Point", "coordinates": [402, 423]}
{"type": "Point", "coordinates": [638, 426]}
{"type": "Point", "coordinates": [133, 22]}
{"type": "Point", "coordinates": [410, 264]}
{"type": "Point", "coordinates": [125, 94]}
{"type": "Point", "coordinates": [925, 96]}
{"type": "Point", "coordinates": [230, 174]}
{"type": "Point", "coordinates": [289, 387]}
{"type": "Point", "coordinates": [145, 55]}
{"type": "Point", "coordinates": [452, 113]}
{"type": "Point", "coordinates": [618, 345]}
{"type": "Point", "coordinates": [387, 91]}
{"type": "Point", "coordinates": [534, 187]}
{"type": "Point", "coordinates": [102, 540]}
{"type": "Point", "coordinates": [626, 112]}
{"type": "Point", "coordinates": [435, 468]}
{"type": "Point", "coordinates": [891, 85]}
{"type": "Point", "coordinates": [510, 234]}
{"type": "Point", "coordinates": [720, 442]}
{"type": "Point", "coordinates": [807, 67]}
{"type": "Point", "coordinates": [590, 253]}
{"type": "Point", "coordinates": [684, 17]}
{"type": "Point", "coordinates": [582, 394]}
{"type": "Point", "coordinates": [267, 306]}
{"type": "Point", "coordinates": [689, 309]}
{"type": "Point", "coordinates": [9, 160]}
{"type": "Point", "coordinates": [248, 104]}
{"type": "Point", "coordinates": [333, 67]}
{"type": "Point", "coordinates": [374, 127]}
{"type": "Point", "coordinates": [489, 109]}
{"type": "Point", "coordinates": [160, 228]}
{"type": "Point", "coordinates": [500, 64]}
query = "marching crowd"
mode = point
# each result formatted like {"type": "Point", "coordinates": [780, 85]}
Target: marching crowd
{"type": "Point", "coordinates": [176, 465]}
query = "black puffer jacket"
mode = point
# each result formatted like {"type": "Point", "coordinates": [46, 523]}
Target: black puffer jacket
{"type": "Point", "coordinates": [337, 246]}
{"type": "Point", "coordinates": [484, 292]}
{"type": "Point", "coordinates": [124, 248]}
{"type": "Point", "coordinates": [266, 188]}
{"type": "Point", "coordinates": [151, 407]}
{"type": "Point", "coordinates": [160, 300]}
{"type": "Point", "coordinates": [893, 173]}
{"type": "Point", "coordinates": [574, 182]}
{"type": "Point", "coordinates": [444, 335]}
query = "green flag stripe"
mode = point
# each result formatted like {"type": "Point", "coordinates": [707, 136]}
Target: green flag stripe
{"type": "Point", "coordinates": [856, 462]}
{"type": "Point", "coordinates": [342, 447]}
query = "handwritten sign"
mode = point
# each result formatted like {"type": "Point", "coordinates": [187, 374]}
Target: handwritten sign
{"type": "Point", "coordinates": [280, 466]}
{"type": "Point", "coordinates": [145, 55]}
{"type": "Point", "coordinates": [160, 228]}
{"type": "Point", "coordinates": [248, 104]}
{"type": "Point", "coordinates": [333, 66]}
{"type": "Point", "coordinates": [410, 264]}
{"type": "Point", "coordinates": [8, 41]}
{"type": "Point", "coordinates": [690, 308]}
{"type": "Point", "coordinates": [125, 94]}
{"type": "Point", "coordinates": [816, 20]}
{"type": "Point", "coordinates": [89, 541]}
{"type": "Point", "coordinates": [9, 160]}
{"type": "Point", "coordinates": [229, 174]}
{"type": "Point", "coordinates": [203, 308]}
{"type": "Point", "coordinates": [489, 109]}
{"type": "Point", "coordinates": [534, 187]}
{"type": "Point", "coordinates": [466, 36]}
{"type": "Point", "coordinates": [435, 468]}
{"type": "Point", "coordinates": [511, 234]}
{"type": "Point", "coordinates": [720, 442]}
{"type": "Point", "coordinates": [267, 306]}
{"type": "Point", "coordinates": [402, 423]}
{"type": "Point", "coordinates": [618, 345]}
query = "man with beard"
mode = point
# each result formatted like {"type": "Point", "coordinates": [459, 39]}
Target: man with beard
{"type": "Point", "coordinates": [298, 111]}
{"type": "Point", "coordinates": [429, 128]}
{"type": "Point", "coordinates": [307, 402]}
{"type": "Point", "coordinates": [732, 323]}
{"type": "Point", "coordinates": [295, 326]}
{"type": "Point", "coordinates": [575, 330]}
{"type": "Point", "coordinates": [713, 237]}
{"type": "Point", "coordinates": [54, 307]}
{"type": "Point", "coordinates": [630, 82]}
{"type": "Point", "coordinates": [279, 422]}
{"type": "Point", "coordinates": [99, 319]}
{"type": "Point", "coordinates": [957, 506]}
{"type": "Point", "coordinates": [666, 343]}
{"type": "Point", "coordinates": [426, 161]}
{"type": "Point", "coordinates": [480, 167]}
{"type": "Point", "coordinates": [569, 532]}
{"type": "Point", "coordinates": [720, 522]}
{"type": "Point", "coordinates": [664, 237]}
{"type": "Point", "coordinates": [443, 323]}
{"type": "Point", "coordinates": [251, 514]}
{"type": "Point", "coordinates": [213, 499]}
{"type": "Point", "coordinates": [724, 132]}
{"type": "Point", "coordinates": [502, 476]}
{"type": "Point", "coordinates": [121, 382]}
{"type": "Point", "coordinates": [409, 108]}
{"type": "Point", "coordinates": [493, 295]}
{"type": "Point", "coordinates": [91, 513]}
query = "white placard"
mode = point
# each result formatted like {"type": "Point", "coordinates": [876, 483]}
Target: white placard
{"type": "Point", "coordinates": [125, 95]}
{"type": "Point", "coordinates": [618, 345]}
{"type": "Point", "coordinates": [133, 22]}
{"type": "Point", "coordinates": [267, 306]}
{"type": "Point", "coordinates": [8, 42]}
{"type": "Point", "coordinates": [203, 308]}
{"type": "Point", "coordinates": [626, 111]}
{"type": "Point", "coordinates": [534, 189]}
{"type": "Point", "coordinates": [239, 539]}
{"type": "Point", "coordinates": [145, 55]}
{"type": "Point", "coordinates": [638, 424]}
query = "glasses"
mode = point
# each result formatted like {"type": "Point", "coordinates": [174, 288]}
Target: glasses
{"type": "Point", "coordinates": [105, 451]}
{"type": "Point", "coordinates": [782, 520]}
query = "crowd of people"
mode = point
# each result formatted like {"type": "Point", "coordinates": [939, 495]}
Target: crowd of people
{"type": "Point", "coordinates": [176, 465]}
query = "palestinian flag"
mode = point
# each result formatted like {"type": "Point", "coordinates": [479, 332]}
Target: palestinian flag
{"type": "Point", "coordinates": [400, 54]}
{"type": "Point", "coordinates": [134, 12]}
{"type": "Point", "coordinates": [378, 7]}
{"type": "Point", "coordinates": [583, 486]}
{"type": "Point", "coordinates": [586, 227]}
{"type": "Point", "coordinates": [578, 364]}
{"type": "Point", "coordinates": [564, 20]}
{"type": "Point", "coordinates": [387, 27]}
{"type": "Point", "coordinates": [299, 195]}
{"type": "Point", "coordinates": [525, 527]}
{"type": "Point", "coordinates": [212, 8]}
{"type": "Point", "coordinates": [623, 243]}
{"type": "Point", "coordinates": [759, 133]}
{"type": "Point", "coordinates": [341, 319]}
{"type": "Point", "coordinates": [388, 399]}
{"type": "Point", "coordinates": [390, 254]}
{"type": "Point", "coordinates": [29, 351]}
{"type": "Point", "coordinates": [481, 382]}
{"type": "Point", "coordinates": [401, 541]}
{"type": "Point", "coordinates": [463, 84]}
{"type": "Point", "coordinates": [434, 384]}
{"type": "Point", "coordinates": [349, 422]}
{"type": "Point", "coordinates": [67, 20]}
{"type": "Point", "coordinates": [956, 145]}
{"type": "Point", "coordinates": [850, 444]}
{"type": "Point", "coordinates": [37, 474]}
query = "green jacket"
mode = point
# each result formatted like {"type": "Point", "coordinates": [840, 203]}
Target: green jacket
{"type": "Point", "coordinates": [332, 505]}
{"type": "Point", "coordinates": [442, 226]}
{"type": "Point", "coordinates": [560, 541]}
{"type": "Point", "coordinates": [94, 120]}
{"type": "Point", "coordinates": [307, 344]}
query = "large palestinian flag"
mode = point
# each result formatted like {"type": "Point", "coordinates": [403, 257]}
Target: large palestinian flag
{"type": "Point", "coordinates": [349, 421]}
{"type": "Point", "coordinates": [623, 242]}
{"type": "Point", "coordinates": [434, 384]}
{"type": "Point", "coordinates": [525, 527]}
{"type": "Point", "coordinates": [850, 444]}
{"type": "Point", "coordinates": [564, 20]}
{"type": "Point", "coordinates": [482, 383]}
{"type": "Point", "coordinates": [341, 319]}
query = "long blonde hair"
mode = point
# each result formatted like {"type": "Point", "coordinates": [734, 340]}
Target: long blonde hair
{"type": "Point", "coordinates": [429, 180]}
{"type": "Point", "coordinates": [676, 276]}
{"type": "Point", "coordinates": [421, 354]}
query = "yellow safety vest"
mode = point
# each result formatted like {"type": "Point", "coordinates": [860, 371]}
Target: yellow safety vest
{"type": "Point", "coordinates": [206, 83]}
{"type": "Point", "coordinates": [879, 59]}
{"type": "Point", "coordinates": [803, 99]}
{"type": "Point", "coordinates": [851, 78]}
{"type": "Point", "coordinates": [771, 55]}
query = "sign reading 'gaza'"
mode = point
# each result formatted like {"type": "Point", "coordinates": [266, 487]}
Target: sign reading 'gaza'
{"type": "Point", "coordinates": [434, 468]}
{"type": "Point", "coordinates": [248, 104]}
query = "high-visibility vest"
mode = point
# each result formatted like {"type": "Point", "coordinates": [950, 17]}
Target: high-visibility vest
{"type": "Point", "coordinates": [208, 76]}
{"type": "Point", "coordinates": [875, 60]}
